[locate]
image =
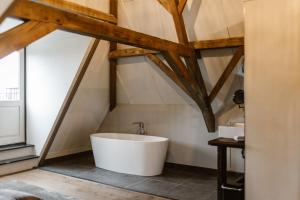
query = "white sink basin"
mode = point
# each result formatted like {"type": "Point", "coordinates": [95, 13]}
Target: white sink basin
{"type": "Point", "coordinates": [231, 131]}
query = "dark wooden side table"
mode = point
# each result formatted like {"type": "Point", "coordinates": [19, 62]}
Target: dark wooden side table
{"type": "Point", "coordinates": [223, 144]}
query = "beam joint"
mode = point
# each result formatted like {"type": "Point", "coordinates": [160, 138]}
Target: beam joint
{"type": "Point", "coordinates": [230, 67]}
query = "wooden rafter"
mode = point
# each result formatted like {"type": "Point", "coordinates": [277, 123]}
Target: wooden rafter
{"type": "Point", "coordinates": [7, 6]}
{"type": "Point", "coordinates": [166, 4]}
{"type": "Point", "coordinates": [219, 43]}
{"type": "Point", "coordinates": [191, 62]}
{"type": "Point", "coordinates": [30, 32]}
{"type": "Point", "coordinates": [230, 67]}
{"type": "Point", "coordinates": [192, 66]}
{"type": "Point", "coordinates": [181, 6]}
{"type": "Point", "coordinates": [180, 70]}
{"type": "Point", "coordinates": [179, 23]}
{"type": "Point", "coordinates": [95, 28]}
{"type": "Point", "coordinates": [121, 53]}
{"type": "Point", "coordinates": [113, 8]}
{"type": "Point", "coordinates": [81, 10]}
{"type": "Point", "coordinates": [199, 45]}
{"type": "Point", "coordinates": [167, 71]}
{"type": "Point", "coordinates": [68, 100]}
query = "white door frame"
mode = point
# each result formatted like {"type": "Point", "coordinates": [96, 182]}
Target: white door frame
{"type": "Point", "coordinates": [20, 137]}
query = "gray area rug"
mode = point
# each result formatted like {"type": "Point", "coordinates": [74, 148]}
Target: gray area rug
{"type": "Point", "coordinates": [6, 190]}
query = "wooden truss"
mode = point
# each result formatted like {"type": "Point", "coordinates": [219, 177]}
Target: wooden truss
{"type": "Point", "coordinates": [44, 16]}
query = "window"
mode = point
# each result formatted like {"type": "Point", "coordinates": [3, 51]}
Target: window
{"type": "Point", "coordinates": [10, 77]}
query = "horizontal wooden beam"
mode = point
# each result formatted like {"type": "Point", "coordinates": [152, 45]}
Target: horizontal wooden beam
{"type": "Point", "coordinates": [198, 95]}
{"type": "Point", "coordinates": [168, 72]}
{"type": "Point", "coordinates": [121, 53]}
{"type": "Point", "coordinates": [230, 67]}
{"type": "Point", "coordinates": [23, 35]}
{"type": "Point", "coordinates": [95, 28]}
{"type": "Point", "coordinates": [217, 44]}
{"type": "Point", "coordinates": [81, 10]}
{"type": "Point", "coordinates": [204, 44]}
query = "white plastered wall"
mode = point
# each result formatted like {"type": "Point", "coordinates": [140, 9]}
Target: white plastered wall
{"type": "Point", "coordinates": [145, 94]}
{"type": "Point", "coordinates": [52, 63]}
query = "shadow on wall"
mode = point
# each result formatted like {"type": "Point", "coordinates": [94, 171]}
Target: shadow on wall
{"type": "Point", "coordinates": [218, 58]}
{"type": "Point", "coordinates": [190, 15]}
{"type": "Point", "coordinates": [189, 153]}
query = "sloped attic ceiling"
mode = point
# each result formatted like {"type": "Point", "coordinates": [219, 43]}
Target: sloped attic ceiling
{"type": "Point", "coordinates": [199, 10]}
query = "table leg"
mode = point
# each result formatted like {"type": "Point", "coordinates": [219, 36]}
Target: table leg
{"type": "Point", "coordinates": [222, 169]}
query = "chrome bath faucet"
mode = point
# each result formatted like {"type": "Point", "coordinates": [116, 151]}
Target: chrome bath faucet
{"type": "Point", "coordinates": [141, 130]}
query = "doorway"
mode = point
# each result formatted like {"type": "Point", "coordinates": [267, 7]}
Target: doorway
{"type": "Point", "coordinates": [12, 95]}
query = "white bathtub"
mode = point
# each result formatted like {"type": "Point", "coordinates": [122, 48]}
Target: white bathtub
{"type": "Point", "coordinates": [129, 153]}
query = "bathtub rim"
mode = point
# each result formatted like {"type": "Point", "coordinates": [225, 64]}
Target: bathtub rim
{"type": "Point", "coordinates": [160, 139]}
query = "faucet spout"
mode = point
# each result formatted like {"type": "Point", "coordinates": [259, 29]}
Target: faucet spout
{"type": "Point", "coordinates": [141, 130]}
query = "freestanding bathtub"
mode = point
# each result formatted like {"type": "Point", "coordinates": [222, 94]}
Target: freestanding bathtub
{"type": "Point", "coordinates": [130, 153]}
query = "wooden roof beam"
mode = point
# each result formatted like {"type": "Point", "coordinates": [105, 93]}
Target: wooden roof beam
{"type": "Point", "coordinates": [230, 67]}
{"type": "Point", "coordinates": [131, 52]}
{"type": "Point", "coordinates": [179, 23]}
{"type": "Point", "coordinates": [192, 66]}
{"type": "Point", "coordinates": [167, 4]}
{"type": "Point", "coordinates": [181, 6]}
{"type": "Point", "coordinates": [67, 5]}
{"type": "Point", "coordinates": [180, 70]}
{"type": "Point", "coordinates": [191, 62]}
{"type": "Point", "coordinates": [83, 25]}
{"type": "Point", "coordinates": [113, 9]}
{"type": "Point", "coordinates": [6, 5]}
{"type": "Point", "coordinates": [218, 43]}
{"type": "Point", "coordinates": [23, 35]}
{"type": "Point", "coordinates": [168, 72]}
{"type": "Point", "coordinates": [200, 45]}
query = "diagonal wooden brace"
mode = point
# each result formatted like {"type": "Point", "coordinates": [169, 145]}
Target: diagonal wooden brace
{"type": "Point", "coordinates": [230, 67]}
{"type": "Point", "coordinates": [199, 95]}
{"type": "Point", "coordinates": [23, 35]}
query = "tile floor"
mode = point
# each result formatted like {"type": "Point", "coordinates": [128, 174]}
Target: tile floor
{"type": "Point", "coordinates": [175, 183]}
